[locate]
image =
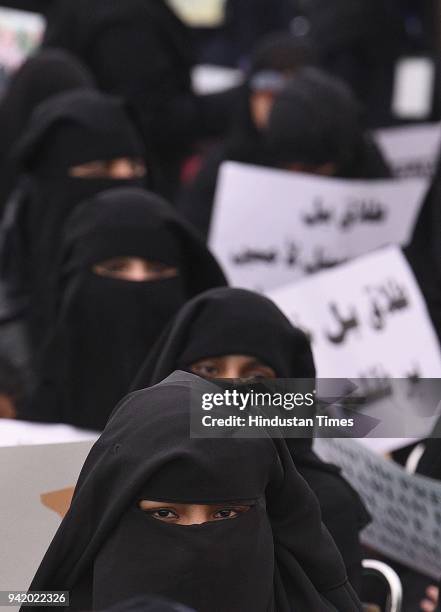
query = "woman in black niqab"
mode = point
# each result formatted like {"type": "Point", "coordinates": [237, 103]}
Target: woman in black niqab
{"type": "Point", "coordinates": [224, 322]}
{"type": "Point", "coordinates": [310, 123]}
{"type": "Point", "coordinates": [276, 556]}
{"type": "Point", "coordinates": [104, 320]}
{"type": "Point", "coordinates": [70, 146]}
{"type": "Point", "coordinates": [47, 73]}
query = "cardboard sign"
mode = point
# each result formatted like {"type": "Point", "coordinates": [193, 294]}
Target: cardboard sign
{"type": "Point", "coordinates": [21, 33]}
{"type": "Point", "coordinates": [37, 484]}
{"type": "Point", "coordinates": [411, 151]}
{"type": "Point", "coordinates": [406, 508]}
{"type": "Point", "coordinates": [271, 227]}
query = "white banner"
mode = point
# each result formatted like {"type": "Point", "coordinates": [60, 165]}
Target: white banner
{"type": "Point", "coordinates": [20, 34]}
{"type": "Point", "coordinates": [411, 151]}
{"type": "Point", "coordinates": [36, 487]}
{"type": "Point", "coordinates": [271, 227]}
{"type": "Point", "coordinates": [406, 508]}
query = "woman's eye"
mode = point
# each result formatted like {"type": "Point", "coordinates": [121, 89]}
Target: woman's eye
{"type": "Point", "coordinates": [163, 514]}
{"type": "Point", "coordinates": [206, 370]}
{"type": "Point", "coordinates": [259, 374]}
{"type": "Point", "coordinates": [228, 513]}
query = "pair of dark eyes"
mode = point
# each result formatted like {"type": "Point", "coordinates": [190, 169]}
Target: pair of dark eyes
{"type": "Point", "coordinates": [167, 514]}
{"type": "Point", "coordinates": [211, 370]}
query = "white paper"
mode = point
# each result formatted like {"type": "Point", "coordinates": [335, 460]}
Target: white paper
{"type": "Point", "coordinates": [411, 151]}
{"type": "Point", "coordinates": [390, 334]}
{"type": "Point", "coordinates": [20, 433]}
{"type": "Point", "coordinates": [406, 508]}
{"type": "Point", "coordinates": [271, 227]}
{"type": "Point", "coordinates": [27, 526]}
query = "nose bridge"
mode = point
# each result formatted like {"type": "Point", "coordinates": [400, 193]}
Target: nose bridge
{"type": "Point", "coordinates": [231, 369]}
{"type": "Point", "coordinates": [138, 269]}
{"type": "Point", "coordinates": [122, 168]}
{"type": "Point", "coordinates": [197, 515]}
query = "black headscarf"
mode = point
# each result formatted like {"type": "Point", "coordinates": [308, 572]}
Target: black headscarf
{"type": "Point", "coordinates": [316, 120]}
{"type": "Point", "coordinates": [141, 51]}
{"type": "Point", "coordinates": [430, 463]}
{"type": "Point", "coordinates": [104, 326]}
{"type": "Point", "coordinates": [230, 321]}
{"type": "Point", "coordinates": [45, 74]}
{"type": "Point", "coordinates": [276, 556]}
{"type": "Point", "coordinates": [69, 129]}
{"type": "Point", "coordinates": [424, 250]}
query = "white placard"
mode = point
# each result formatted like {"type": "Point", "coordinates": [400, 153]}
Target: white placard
{"type": "Point", "coordinates": [411, 151]}
{"type": "Point", "coordinates": [406, 508]}
{"type": "Point", "coordinates": [366, 319]}
{"type": "Point", "coordinates": [271, 227]}
{"type": "Point", "coordinates": [21, 33]}
{"type": "Point", "coordinates": [35, 483]}
{"type": "Point", "coordinates": [22, 433]}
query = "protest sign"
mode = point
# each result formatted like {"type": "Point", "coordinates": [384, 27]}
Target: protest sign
{"type": "Point", "coordinates": [37, 483]}
{"type": "Point", "coordinates": [20, 34]}
{"type": "Point", "coordinates": [366, 319]}
{"type": "Point", "coordinates": [411, 151]}
{"type": "Point", "coordinates": [271, 227]}
{"type": "Point", "coordinates": [368, 322]}
{"type": "Point", "coordinates": [405, 508]}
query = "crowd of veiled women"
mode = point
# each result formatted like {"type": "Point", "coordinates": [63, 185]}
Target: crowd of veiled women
{"type": "Point", "coordinates": [108, 172]}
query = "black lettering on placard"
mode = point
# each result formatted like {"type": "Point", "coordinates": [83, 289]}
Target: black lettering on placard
{"type": "Point", "coordinates": [384, 300]}
{"type": "Point", "coordinates": [319, 215]}
{"type": "Point", "coordinates": [357, 211]}
{"type": "Point", "coordinates": [363, 211]}
{"type": "Point", "coordinates": [345, 324]}
{"type": "Point", "coordinates": [250, 256]}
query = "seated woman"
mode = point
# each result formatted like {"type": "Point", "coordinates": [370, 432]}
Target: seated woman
{"type": "Point", "coordinates": [308, 123]}
{"type": "Point", "coordinates": [233, 333]}
{"type": "Point", "coordinates": [76, 144]}
{"type": "Point", "coordinates": [127, 264]}
{"type": "Point", "coordinates": [219, 525]}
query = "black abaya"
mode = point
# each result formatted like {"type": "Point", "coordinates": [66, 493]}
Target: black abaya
{"type": "Point", "coordinates": [275, 557]}
{"type": "Point", "coordinates": [104, 326]}
{"type": "Point", "coordinates": [228, 321]}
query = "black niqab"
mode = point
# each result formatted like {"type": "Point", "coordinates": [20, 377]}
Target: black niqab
{"type": "Point", "coordinates": [47, 73]}
{"type": "Point", "coordinates": [104, 325]}
{"type": "Point", "coordinates": [316, 120]}
{"type": "Point", "coordinates": [69, 129]}
{"type": "Point", "coordinates": [107, 549]}
{"type": "Point", "coordinates": [228, 321]}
